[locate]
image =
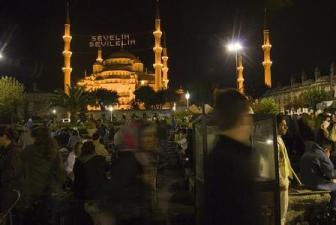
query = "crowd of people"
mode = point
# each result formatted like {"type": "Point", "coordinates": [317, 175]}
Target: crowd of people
{"type": "Point", "coordinates": [104, 177]}
{"type": "Point", "coordinates": [108, 175]}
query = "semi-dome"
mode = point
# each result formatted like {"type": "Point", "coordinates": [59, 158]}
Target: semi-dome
{"type": "Point", "coordinates": [122, 54]}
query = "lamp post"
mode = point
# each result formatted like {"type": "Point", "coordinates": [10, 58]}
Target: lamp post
{"type": "Point", "coordinates": [111, 110]}
{"type": "Point", "coordinates": [187, 96]}
{"type": "Point", "coordinates": [54, 111]}
{"type": "Point", "coordinates": [236, 47]}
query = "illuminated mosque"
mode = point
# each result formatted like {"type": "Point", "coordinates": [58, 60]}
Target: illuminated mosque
{"type": "Point", "coordinates": [121, 71]}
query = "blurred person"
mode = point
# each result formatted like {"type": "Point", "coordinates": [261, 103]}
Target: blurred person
{"type": "Point", "coordinates": [285, 168]}
{"type": "Point", "coordinates": [131, 184]}
{"type": "Point", "coordinates": [25, 138]}
{"type": "Point", "coordinates": [317, 170]}
{"type": "Point", "coordinates": [44, 175]}
{"type": "Point", "coordinates": [99, 147]}
{"type": "Point", "coordinates": [73, 139]}
{"type": "Point", "coordinates": [127, 137]}
{"type": "Point", "coordinates": [90, 179]}
{"type": "Point", "coordinates": [11, 173]}
{"type": "Point", "coordinates": [144, 117]}
{"type": "Point", "coordinates": [29, 123]}
{"type": "Point", "coordinates": [69, 165]}
{"type": "Point", "coordinates": [229, 168]}
{"type": "Point", "coordinates": [322, 132]}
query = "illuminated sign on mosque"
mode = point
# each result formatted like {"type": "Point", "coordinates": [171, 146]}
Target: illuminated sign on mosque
{"type": "Point", "coordinates": [112, 40]}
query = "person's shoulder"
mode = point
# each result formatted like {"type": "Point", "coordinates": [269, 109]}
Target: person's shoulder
{"type": "Point", "coordinates": [98, 158]}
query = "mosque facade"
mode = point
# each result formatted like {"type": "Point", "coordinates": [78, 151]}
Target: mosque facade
{"type": "Point", "coordinates": [121, 71]}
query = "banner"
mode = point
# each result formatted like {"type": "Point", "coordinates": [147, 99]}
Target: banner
{"type": "Point", "coordinates": [111, 40]}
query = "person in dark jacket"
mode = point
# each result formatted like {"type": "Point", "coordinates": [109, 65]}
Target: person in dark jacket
{"type": "Point", "coordinates": [316, 168]}
{"type": "Point", "coordinates": [90, 179]}
{"type": "Point", "coordinates": [90, 173]}
{"type": "Point", "coordinates": [44, 176]}
{"type": "Point", "coordinates": [230, 194]}
{"type": "Point", "coordinates": [10, 168]}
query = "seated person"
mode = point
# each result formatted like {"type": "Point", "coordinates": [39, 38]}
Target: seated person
{"type": "Point", "coordinates": [316, 168]}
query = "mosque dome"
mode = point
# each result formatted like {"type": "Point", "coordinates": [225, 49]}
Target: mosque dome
{"type": "Point", "coordinates": [122, 54]}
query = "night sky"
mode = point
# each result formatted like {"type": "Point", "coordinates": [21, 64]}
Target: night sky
{"type": "Point", "coordinates": [303, 35]}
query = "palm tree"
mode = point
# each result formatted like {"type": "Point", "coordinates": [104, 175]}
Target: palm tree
{"type": "Point", "coordinates": [73, 103]}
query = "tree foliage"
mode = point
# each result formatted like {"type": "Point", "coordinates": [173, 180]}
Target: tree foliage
{"type": "Point", "coordinates": [11, 98]}
{"type": "Point", "coordinates": [105, 97]}
{"type": "Point", "coordinates": [266, 106]}
{"type": "Point", "coordinates": [75, 102]}
{"type": "Point", "coordinates": [152, 99]}
{"type": "Point", "coordinates": [312, 97]}
{"type": "Point", "coordinates": [146, 95]}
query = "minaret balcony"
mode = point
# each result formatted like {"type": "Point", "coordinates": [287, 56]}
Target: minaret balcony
{"type": "Point", "coordinates": [265, 63]}
{"type": "Point", "coordinates": [266, 46]}
{"type": "Point", "coordinates": [66, 69]}
{"type": "Point", "coordinates": [240, 80]}
{"type": "Point", "coordinates": [67, 53]}
{"type": "Point", "coordinates": [67, 37]}
{"type": "Point", "coordinates": [157, 33]}
{"type": "Point", "coordinates": [165, 69]}
{"type": "Point", "coordinates": [155, 65]}
{"type": "Point", "coordinates": [165, 58]}
{"type": "Point", "coordinates": [157, 49]}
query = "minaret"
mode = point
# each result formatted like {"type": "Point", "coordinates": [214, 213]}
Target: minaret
{"type": "Point", "coordinates": [240, 78]}
{"type": "Point", "coordinates": [98, 65]}
{"type": "Point", "coordinates": [67, 53]}
{"type": "Point", "coordinates": [157, 50]}
{"type": "Point", "coordinates": [165, 64]}
{"type": "Point", "coordinates": [267, 63]}
{"type": "Point", "coordinates": [99, 56]}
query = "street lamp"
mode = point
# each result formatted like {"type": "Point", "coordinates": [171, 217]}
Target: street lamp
{"type": "Point", "coordinates": [187, 96]}
{"type": "Point", "coordinates": [54, 114]}
{"type": "Point", "coordinates": [236, 47]}
{"type": "Point", "coordinates": [111, 110]}
{"type": "Point", "coordinates": [1, 56]}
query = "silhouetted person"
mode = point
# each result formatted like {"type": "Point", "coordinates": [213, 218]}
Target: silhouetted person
{"type": "Point", "coordinates": [230, 194]}
{"type": "Point", "coordinates": [10, 168]}
{"type": "Point", "coordinates": [317, 170]}
{"type": "Point", "coordinates": [43, 175]}
{"type": "Point", "coordinates": [90, 178]}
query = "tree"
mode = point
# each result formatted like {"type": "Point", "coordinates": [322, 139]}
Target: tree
{"type": "Point", "coordinates": [105, 97]}
{"type": "Point", "coordinates": [74, 103]}
{"type": "Point", "coordinates": [166, 96]}
{"type": "Point", "coordinates": [146, 95]}
{"type": "Point", "coordinates": [12, 96]}
{"type": "Point", "coordinates": [312, 97]}
{"type": "Point", "coordinates": [266, 106]}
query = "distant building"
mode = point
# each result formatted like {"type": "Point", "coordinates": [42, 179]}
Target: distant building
{"type": "Point", "coordinates": [287, 95]}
